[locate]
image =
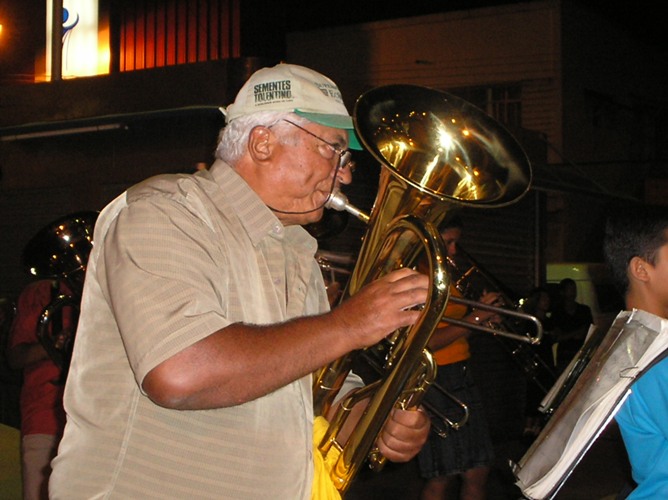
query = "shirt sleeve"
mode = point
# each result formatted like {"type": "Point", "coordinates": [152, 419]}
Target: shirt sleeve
{"type": "Point", "coordinates": [352, 381]}
{"type": "Point", "coordinates": [165, 273]}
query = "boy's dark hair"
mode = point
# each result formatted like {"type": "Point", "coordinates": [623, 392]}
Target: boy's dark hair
{"type": "Point", "coordinates": [637, 230]}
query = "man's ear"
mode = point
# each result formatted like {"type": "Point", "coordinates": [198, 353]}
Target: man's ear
{"type": "Point", "coordinates": [638, 269]}
{"type": "Point", "coordinates": [259, 143]}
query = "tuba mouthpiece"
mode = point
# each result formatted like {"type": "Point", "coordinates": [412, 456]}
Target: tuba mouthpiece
{"type": "Point", "coordinates": [339, 201]}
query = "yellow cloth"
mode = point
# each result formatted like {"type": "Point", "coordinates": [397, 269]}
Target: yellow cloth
{"type": "Point", "coordinates": [11, 487]}
{"type": "Point", "coordinates": [457, 351]}
{"type": "Point", "coordinates": [323, 486]}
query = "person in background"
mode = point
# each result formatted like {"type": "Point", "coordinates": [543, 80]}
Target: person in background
{"type": "Point", "coordinates": [571, 321]}
{"type": "Point", "coordinates": [456, 464]}
{"type": "Point", "coordinates": [40, 401]}
{"type": "Point", "coordinates": [204, 315]}
{"type": "Point", "coordinates": [636, 251]}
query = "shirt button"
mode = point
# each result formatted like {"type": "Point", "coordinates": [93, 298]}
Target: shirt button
{"type": "Point", "coordinates": [277, 229]}
{"type": "Point", "coordinates": [277, 281]}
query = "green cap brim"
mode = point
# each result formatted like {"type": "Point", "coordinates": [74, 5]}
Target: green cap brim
{"type": "Point", "coordinates": [335, 121]}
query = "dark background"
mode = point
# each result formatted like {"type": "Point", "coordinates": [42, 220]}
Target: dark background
{"type": "Point", "coordinates": [642, 19]}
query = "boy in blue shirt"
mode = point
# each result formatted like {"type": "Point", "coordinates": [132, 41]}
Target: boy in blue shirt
{"type": "Point", "coordinates": [636, 250]}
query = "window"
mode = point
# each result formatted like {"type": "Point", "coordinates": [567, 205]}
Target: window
{"type": "Point", "coordinates": [502, 102]}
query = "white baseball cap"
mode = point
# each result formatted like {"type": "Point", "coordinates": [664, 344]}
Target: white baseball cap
{"type": "Point", "coordinates": [289, 87]}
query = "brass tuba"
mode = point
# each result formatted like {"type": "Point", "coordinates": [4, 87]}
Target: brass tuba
{"type": "Point", "coordinates": [437, 153]}
{"type": "Point", "coordinates": [59, 251]}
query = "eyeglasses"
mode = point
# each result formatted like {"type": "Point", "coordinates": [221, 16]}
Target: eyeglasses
{"type": "Point", "coordinates": [345, 155]}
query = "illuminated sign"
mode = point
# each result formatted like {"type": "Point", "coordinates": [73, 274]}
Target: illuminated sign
{"type": "Point", "coordinates": [82, 54]}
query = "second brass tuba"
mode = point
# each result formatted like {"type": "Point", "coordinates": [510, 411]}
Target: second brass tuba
{"type": "Point", "coordinates": [437, 153]}
{"type": "Point", "coordinates": [59, 251]}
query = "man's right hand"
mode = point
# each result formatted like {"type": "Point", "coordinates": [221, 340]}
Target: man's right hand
{"type": "Point", "coordinates": [384, 305]}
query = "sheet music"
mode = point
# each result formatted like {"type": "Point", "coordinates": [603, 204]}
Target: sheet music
{"type": "Point", "coordinates": [635, 339]}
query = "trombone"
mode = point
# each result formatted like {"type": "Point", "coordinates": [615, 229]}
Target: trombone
{"type": "Point", "coordinates": [462, 279]}
{"type": "Point", "coordinates": [515, 328]}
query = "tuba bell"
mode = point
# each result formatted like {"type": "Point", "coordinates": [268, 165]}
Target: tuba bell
{"type": "Point", "coordinates": [59, 251]}
{"type": "Point", "coordinates": [437, 153]}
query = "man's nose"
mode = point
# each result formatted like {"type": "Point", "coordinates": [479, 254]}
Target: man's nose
{"type": "Point", "coordinates": [345, 174]}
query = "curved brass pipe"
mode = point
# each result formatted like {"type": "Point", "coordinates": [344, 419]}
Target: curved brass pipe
{"type": "Point", "coordinates": [408, 372]}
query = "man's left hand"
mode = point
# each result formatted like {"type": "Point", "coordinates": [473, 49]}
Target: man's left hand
{"type": "Point", "coordinates": [404, 434]}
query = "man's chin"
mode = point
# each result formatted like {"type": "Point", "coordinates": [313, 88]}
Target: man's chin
{"type": "Point", "coordinates": [314, 217]}
{"type": "Point", "coordinates": [314, 223]}
{"type": "Point", "coordinates": [332, 223]}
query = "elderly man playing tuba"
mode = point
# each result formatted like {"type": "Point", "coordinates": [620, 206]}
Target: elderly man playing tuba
{"type": "Point", "coordinates": [204, 315]}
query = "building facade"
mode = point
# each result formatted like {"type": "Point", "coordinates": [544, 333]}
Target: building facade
{"type": "Point", "coordinates": [587, 101]}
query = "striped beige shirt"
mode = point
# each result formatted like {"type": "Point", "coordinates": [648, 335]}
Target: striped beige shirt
{"type": "Point", "coordinates": [176, 258]}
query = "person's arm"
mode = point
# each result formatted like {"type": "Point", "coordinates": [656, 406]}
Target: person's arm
{"type": "Point", "coordinates": [23, 346]}
{"type": "Point", "coordinates": [242, 362]}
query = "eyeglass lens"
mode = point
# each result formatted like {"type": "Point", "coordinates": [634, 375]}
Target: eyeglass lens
{"type": "Point", "coordinates": [345, 156]}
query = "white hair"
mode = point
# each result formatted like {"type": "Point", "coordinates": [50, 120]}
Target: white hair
{"type": "Point", "coordinates": [233, 138]}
